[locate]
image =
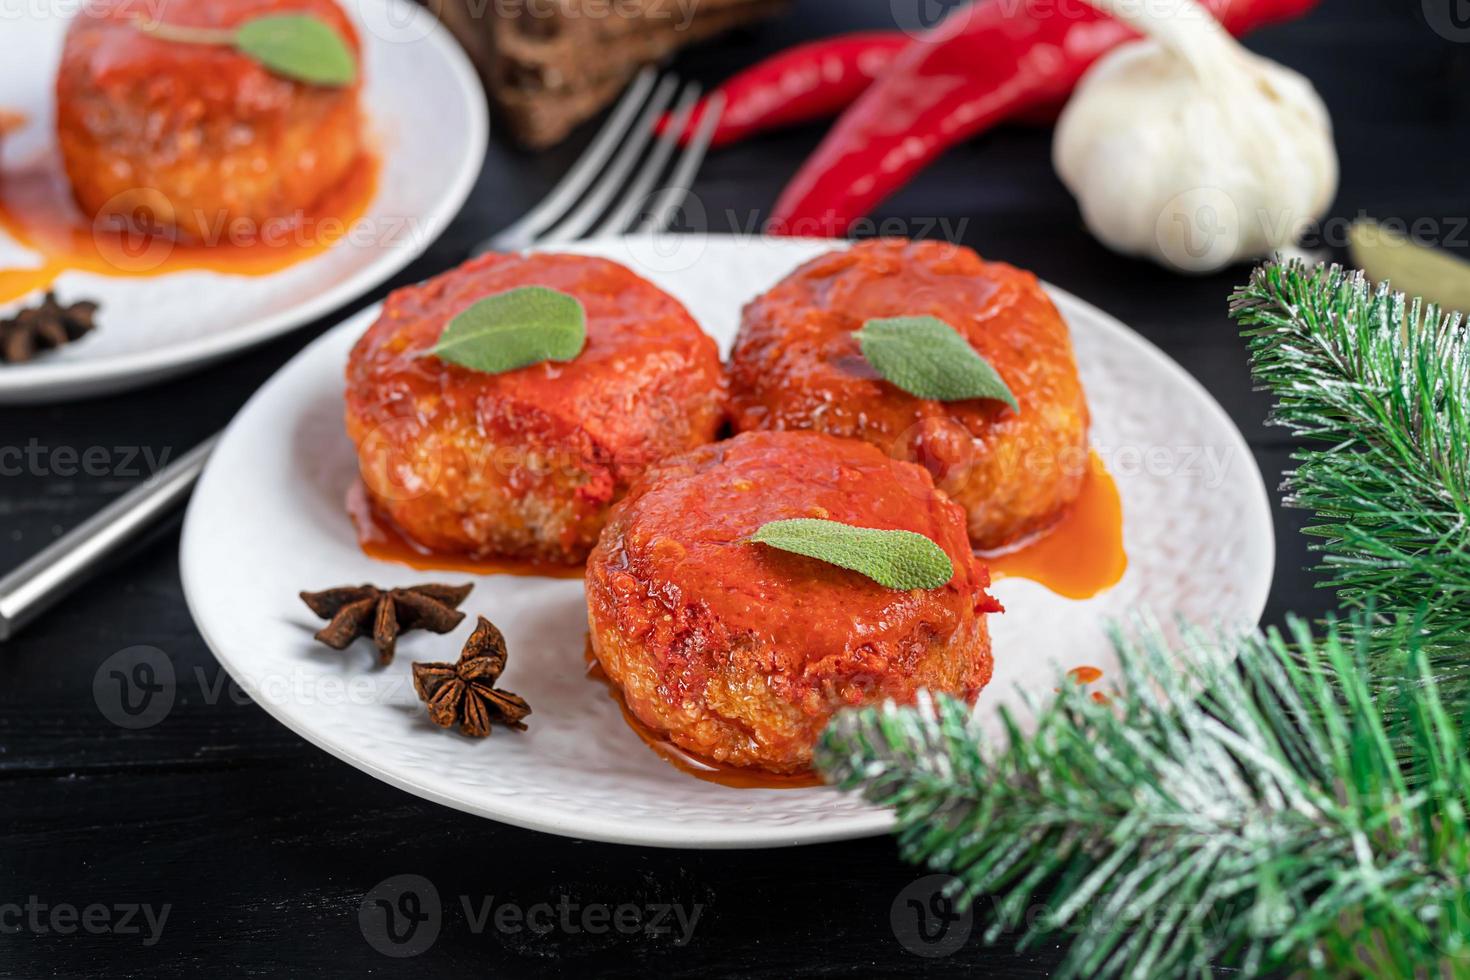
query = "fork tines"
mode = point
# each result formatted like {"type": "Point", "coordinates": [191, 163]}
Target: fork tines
{"type": "Point", "coordinates": [618, 185]}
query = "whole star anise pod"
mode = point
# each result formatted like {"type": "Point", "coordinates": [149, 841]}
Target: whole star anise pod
{"type": "Point", "coordinates": [383, 614]}
{"type": "Point", "coordinates": [40, 327]}
{"type": "Point", "coordinates": [465, 693]}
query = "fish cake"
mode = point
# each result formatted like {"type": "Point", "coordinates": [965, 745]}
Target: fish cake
{"type": "Point", "coordinates": [525, 464]}
{"type": "Point", "coordinates": [797, 365]}
{"type": "Point", "coordinates": [740, 653]}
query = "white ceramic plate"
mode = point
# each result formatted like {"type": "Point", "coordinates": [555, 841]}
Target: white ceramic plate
{"type": "Point", "coordinates": [267, 520]}
{"type": "Point", "coordinates": [426, 112]}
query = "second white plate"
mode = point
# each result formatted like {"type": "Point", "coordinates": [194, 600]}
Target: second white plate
{"type": "Point", "coordinates": [267, 520]}
{"type": "Point", "coordinates": [425, 110]}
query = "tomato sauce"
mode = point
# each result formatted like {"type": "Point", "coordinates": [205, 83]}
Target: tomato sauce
{"type": "Point", "coordinates": [38, 213]}
{"type": "Point", "coordinates": [381, 540]}
{"type": "Point", "coordinates": [1082, 554]}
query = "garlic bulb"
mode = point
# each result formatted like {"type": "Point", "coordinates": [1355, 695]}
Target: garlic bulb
{"type": "Point", "coordinates": [1189, 149]}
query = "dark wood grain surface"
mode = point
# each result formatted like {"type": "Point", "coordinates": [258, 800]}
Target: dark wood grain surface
{"type": "Point", "coordinates": [262, 849]}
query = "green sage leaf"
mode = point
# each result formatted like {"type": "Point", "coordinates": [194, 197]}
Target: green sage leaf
{"type": "Point", "coordinates": [895, 559]}
{"type": "Point", "coordinates": [927, 357]}
{"type": "Point", "coordinates": [514, 329]}
{"type": "Point", "coordinates": [300, 47]}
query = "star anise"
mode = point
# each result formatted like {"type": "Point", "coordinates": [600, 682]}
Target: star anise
{"type": "Point", "coordinates": [383, 614]}
{"type": "Point", "coordinates": [45, 326]}
{"type": "Point", "coordinates": [465, 693]}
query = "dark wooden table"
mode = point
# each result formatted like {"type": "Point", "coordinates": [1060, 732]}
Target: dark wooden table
{"type": "Point", "coordinates": [262, 848]}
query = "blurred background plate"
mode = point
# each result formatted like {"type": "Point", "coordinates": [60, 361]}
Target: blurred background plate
{"type": "Point", "coordinates": [268, 519]}
{"type": "Point", "coordinates": [426, 117]}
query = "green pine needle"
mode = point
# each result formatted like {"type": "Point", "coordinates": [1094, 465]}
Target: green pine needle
{"type": "Point", "coordinates": [1303, 808]}
{"type": "Point", "coordinates": [1256, 814]}
{"type": "Point", "coordinates": [1382, 383]}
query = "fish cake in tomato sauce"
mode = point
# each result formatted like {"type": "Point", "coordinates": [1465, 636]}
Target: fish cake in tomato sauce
{"type": "Point", "coordinates": [198, 140]}
{"type": "Point", "coordinates": [797, 365]}
{"type": "Point", "coordinates": [524, 464]}
{"type": "Point", "coordinates": [740, 653]}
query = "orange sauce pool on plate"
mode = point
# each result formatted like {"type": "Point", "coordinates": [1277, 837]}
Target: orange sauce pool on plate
{"type": "Point", "coordinates": [1082, 554]}
{"type": "Point", "coordinates": [37, 211]}
{"type": "Point", "coordinates": [735, 777]}
{"type": "Point", "coordinates": [380, 539]}
{"type": "Point", "coordinates": [1085, 675]}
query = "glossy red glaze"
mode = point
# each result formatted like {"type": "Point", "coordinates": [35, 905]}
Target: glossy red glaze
{"type": "Point", "coordinates": [110, 52]}
{"type": "Point", "coordinates": [680, 539]}
{"type": "Point", "coordinates": [196, 140]}
{"type": "Point", "coordinates": [639, 339]}
{"type": "Point", "coordinates": [525, 463]}
{"type": "Point", "coordinates": [797, 365]}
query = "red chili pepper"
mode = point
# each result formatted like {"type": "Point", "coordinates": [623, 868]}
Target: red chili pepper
{"type": "Point", "coordinates": [810, 81]}
{"type": "Point", "coordinates": [985, 63]}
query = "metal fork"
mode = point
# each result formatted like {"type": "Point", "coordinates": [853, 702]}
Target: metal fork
{"type": "Point", "coordinates": [589, 191]}
{"type": "Point", "coordinates": [574, 205]}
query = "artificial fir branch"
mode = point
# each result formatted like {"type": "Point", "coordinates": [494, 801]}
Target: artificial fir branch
{"type": "Point", "coordinates": [1304, 808]}
{"type": "Point", "coordinates": [1258, 813]}
{"type": "Point", "coordinates": [1382, 383]}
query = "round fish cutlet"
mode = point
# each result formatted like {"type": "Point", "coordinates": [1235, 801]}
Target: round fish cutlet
{"type": "Point", "coordinates": [525, 464]}
{"type": "Point", "coordinates": [193, 139]}
{"type": "Point", "coordinates": [797, 365]}
{"type": "Point", "coordinates": [740, 653]}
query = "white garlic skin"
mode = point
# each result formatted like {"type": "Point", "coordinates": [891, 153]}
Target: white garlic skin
{"type": "Point", "coordinates": [1192, 174]}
